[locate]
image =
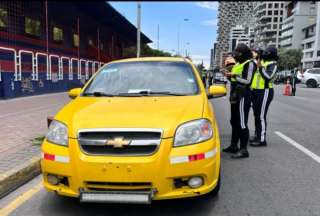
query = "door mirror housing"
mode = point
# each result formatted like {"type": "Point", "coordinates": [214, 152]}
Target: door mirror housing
{"type": "Point", "coordinates": [73, 93]}
{"type": "Point", "coordinates": [216, 91]}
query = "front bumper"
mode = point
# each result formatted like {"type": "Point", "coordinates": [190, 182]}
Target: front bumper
{"type": "Point", "coordinates": [157, 172]}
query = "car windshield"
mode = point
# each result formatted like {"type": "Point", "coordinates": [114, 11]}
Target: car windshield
{"type": "Point", "coordinates": [144, 79]}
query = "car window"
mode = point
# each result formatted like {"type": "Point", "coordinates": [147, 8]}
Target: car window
{"type": "Point", "coordinates": [130, 77]}
{"type": "Point", "coordinates": [314, 71]}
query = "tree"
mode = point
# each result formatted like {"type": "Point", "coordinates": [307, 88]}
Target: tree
{"type": "Point", "coordinates": [289, 59]}
{"type": "Point", "coordinates": [146, 51]}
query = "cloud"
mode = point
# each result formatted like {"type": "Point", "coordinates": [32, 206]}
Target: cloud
{"type": "Point", "coordinates": [212, 22]}
{"type": "Point", "coordinates": [197, 59]}
{"type": "Point", "coordinates": [208, 5]}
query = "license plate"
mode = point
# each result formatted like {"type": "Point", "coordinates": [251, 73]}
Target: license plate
{"type": "Point", "coordinates": [137, 197]}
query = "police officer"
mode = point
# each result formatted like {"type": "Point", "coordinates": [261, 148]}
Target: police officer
{"type": "Point", "coordinates": [262, 93]}
{"type": "Point", "coordinates": [256, 53]}
{"type": "Point", "coordinates": [204, 77]}
{"type": "Point", "coordinates": [293, 81]}
{"type": "Point", "coordinates": [241, 78]}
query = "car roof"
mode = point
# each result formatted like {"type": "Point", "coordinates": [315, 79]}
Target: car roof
{"type": "Point", "coordinates": [143, 59]}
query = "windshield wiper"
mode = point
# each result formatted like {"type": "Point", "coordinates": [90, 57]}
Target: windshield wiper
{"type": "Point", "coordinates": [98, 94]}
{"type": "Point", "coordinates": [147, 93]}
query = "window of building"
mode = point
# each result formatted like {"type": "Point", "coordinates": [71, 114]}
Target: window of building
{"type": "Point", "coordinates": [90, 42]}
{"type": "Point", "coordinates": [32, 26]}
{"type": "Point", "coordinates": [269, 12]}
{"type": "Point", "coordinates": [281, 13]}
{"type": "Point", "coordinates": [275, 19]}
{"type": "Point", "coordinates": [57, 34]}
{"type": "Point", "coordinates": [270, 5]}
{"type": "Point", "coordinates": [280, 19]}
{"type": "Point", "coordinates": [75, 40]}
{"type": "Point", "coordinates": [275, 26]}
{"type": "Point", "coordinates": [281, 5]}
{"type": "Point", "coordinates": [276, 12]}
{"type": "Point", "coordinates": [309, 45]}
{"type": "Point", "coordinates": [3, 18]}
{"type": "Point", "coordinates": [318, 53]}
{"type": "Point", "coordinates": [276, 5]}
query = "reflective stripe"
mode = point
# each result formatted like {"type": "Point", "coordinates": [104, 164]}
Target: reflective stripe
{"type": "Point", "coordinates": [52, 157]}
{"type": "Point", "coordinates": [196, 157]}
{"type": "Point", "coordinates": [263, 109]}
{"type": "Point", "coordinates": [241, 109]}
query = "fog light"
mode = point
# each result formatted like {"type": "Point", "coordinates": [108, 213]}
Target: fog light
{"type": "Point", "coordinates": [53, 179]}
{"type": "Point", "coordinates": [195, 182]}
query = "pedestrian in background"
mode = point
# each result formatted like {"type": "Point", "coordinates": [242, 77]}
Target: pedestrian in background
{"type": "Point", "coordinates": [293, 81]}
{"type": "Point", "coordinates": [262, 93]}
{"type": "Point", "coordinates": [241, 77]}
{"type": "Point", "coordinates": [204, 76]}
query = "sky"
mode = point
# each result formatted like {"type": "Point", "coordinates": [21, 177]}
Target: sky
{"type": "Point", "coordinates": [196, 35]}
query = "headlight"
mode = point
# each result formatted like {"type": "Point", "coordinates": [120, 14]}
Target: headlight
{"type": "Point", "coordinates": [58, 133]}
{"type": "Point", "coordinates": [193, 132]}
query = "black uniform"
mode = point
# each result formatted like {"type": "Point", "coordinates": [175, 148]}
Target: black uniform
{"type": "Point", "coordinates": [261, 99]}
{"type": "Point", "coordinates": [240, 108]}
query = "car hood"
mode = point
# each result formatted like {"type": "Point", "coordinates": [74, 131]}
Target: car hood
{"type": "Point", "coordinates": [131, 112]}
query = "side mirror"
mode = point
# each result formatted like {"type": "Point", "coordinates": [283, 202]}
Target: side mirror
{"type": "Point", "coordinates": [216, 91]}
{"type": "Point", "coordinates": [73, 93]}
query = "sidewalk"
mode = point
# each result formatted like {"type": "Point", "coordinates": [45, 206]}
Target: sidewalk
{"type": "Point", "coordinates": [22, 120]}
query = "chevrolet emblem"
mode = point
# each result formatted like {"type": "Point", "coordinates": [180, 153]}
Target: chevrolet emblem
{"type": "Point", "coordinates": [117, 142]}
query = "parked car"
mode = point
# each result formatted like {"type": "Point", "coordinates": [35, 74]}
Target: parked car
{"type": "Point", "coordinates": [311, 77]}
{"type": "Point", "coordinates": [220, 78]}
{"type": "Point", "coordinates": [140, 129]}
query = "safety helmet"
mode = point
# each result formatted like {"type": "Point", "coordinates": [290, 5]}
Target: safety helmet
{"type": "Point", "coordinates": [258, 50]}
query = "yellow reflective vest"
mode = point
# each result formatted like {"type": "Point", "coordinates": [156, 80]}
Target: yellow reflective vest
{"type": "Point", "coordinates": [258, 82]}
{"type": "Point", "coordinates": [237, 70]}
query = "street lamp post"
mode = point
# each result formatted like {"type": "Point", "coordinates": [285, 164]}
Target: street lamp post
{"type": "Point", "coordinates": [138, 28]}
{"type": "Point", "coordinates": [158, 36]}
{"type": "Point", "coordinates": [185, 19]}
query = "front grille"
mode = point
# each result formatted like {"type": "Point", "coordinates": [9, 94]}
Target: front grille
{"type": "Point", "coordinates": [98, 186]}
{"type": "Point", "coordinates": [119, 143]}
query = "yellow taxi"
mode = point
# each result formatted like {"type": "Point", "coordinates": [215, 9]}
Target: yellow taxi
{"type": "Point", "coordinates": [141, 129]}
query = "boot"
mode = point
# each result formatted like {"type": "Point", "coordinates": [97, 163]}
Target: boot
{"type": "Point", "coordinates": [231, 149]}
{"type": "Point", "coordinates": [242, 153]}
{"type": "Point", "coordinates": [258, 144]}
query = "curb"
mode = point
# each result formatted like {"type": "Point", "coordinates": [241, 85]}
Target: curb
{"type": "Point", "coordinates": [18, 176]}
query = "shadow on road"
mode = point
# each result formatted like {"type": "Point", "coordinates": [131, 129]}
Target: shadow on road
{"type": "Point", "coordinates": [56, 205]}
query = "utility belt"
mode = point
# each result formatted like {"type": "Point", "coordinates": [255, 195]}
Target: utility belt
{"type": "Point", "coordinates": [238, 91]}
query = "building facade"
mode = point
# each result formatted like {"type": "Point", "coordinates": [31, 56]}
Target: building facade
{"type": "Point", "coordinates": [230, 14]}
{"type": "Point", "coordinates": [298, 16]}
{"type": "Point", "coordinates": [54, 46]}
{"type": "Point", "coordinates": [269, 18]}
{"type": "Point", "coordinates": [240, 34]}
{"type": "Point", "coordinates": [311, 42]}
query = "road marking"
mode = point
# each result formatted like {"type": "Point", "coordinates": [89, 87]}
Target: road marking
{"type": "Point", "coordinates": [298, 146]}
{"type": "Point", "coordinates": [20, 200]}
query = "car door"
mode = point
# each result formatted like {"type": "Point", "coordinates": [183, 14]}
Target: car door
{"type": "Point", "coordinates": [316, 73]}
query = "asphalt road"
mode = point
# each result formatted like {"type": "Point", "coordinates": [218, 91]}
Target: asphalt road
{"type": "Point", "coordinates": [281, 179]}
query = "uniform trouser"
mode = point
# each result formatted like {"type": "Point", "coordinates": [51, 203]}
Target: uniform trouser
{"type": "Point", "coordinates": [261, 99]}
{"type": "Point", "coordinates": [294, 89]}
{"type": "Point", "coordinates": [239, 121]}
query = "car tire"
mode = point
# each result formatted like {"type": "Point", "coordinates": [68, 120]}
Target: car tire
{"type": "Point", "coordinates": [311, 83]}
